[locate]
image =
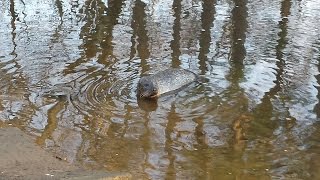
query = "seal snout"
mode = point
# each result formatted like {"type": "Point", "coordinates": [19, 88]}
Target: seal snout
{"type": "Point", "coordinates": [148, 95]}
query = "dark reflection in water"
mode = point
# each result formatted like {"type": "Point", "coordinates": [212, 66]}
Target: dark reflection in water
{"type": "Point", "coordinates": [69, 71]}
{"type": "Point", "coordinates": [317, 106]}
{"type": "Point", "coordinates": [207, 18]}
{"type": "Point", "coordinates": [139, 39]}
{"type": "Point", "coordinates": [148, 104]}
{"type": "Point", "coordinates": [175, 43]}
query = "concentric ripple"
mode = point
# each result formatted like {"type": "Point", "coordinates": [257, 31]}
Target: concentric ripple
{"type": "Point", "coordinates": [114, 95]}
{"type": "Point", "coordinates": [104, 96]}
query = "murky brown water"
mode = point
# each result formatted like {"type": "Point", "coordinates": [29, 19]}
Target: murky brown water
{"type": "Point", "coordinates": [69, 69]}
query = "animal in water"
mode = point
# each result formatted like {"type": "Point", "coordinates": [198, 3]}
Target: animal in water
{"type": "Point", "coordinates": [165, 81]}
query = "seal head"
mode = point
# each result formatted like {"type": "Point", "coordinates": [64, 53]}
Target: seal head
{"type": "Point", "coordinates": [147, 88]}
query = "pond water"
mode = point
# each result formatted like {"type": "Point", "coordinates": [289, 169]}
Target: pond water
{"type": "Point", "coordinates": [69, 71]}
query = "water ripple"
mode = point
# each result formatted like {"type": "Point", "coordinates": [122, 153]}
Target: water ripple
{"type": "Point", "coordinates": [105, 96]}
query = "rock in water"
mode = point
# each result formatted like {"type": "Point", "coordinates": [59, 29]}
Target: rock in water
{"type": "Point", "coordinates": [164, 81]}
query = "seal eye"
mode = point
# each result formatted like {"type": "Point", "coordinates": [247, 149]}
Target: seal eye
{"type": "Point", "coordinates": [147, 85]}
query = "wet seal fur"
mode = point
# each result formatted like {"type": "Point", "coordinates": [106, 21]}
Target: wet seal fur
{"type": "Point", "coordinates": [163, 82]}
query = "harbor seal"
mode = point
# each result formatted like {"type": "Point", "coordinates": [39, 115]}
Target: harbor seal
{"type": "Point", "coordinates": [163, 82]}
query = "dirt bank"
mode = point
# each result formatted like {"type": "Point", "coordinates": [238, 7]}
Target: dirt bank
{"type": "Point", "coordinates": [21, 158]}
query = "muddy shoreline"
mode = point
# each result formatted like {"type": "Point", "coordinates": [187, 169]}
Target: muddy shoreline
{"type": "Point", "coordinates": [21, 158]}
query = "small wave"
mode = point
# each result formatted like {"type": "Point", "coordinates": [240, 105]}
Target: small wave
{"type": "Point", "coordinates": [102, 96]}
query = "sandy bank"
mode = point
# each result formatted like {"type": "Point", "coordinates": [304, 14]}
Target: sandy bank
{"type": "Point", "coordinates": [21, 158]}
